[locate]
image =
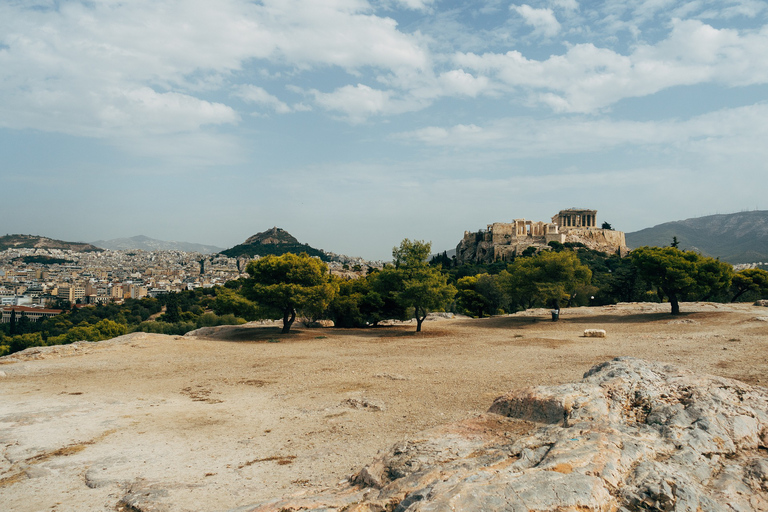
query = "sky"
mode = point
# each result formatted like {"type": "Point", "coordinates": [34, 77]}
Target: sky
{"type": "Point", "coordinates": [354, 124]}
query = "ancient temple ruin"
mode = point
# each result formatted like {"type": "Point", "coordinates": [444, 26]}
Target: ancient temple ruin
{"type": "Point", "coordinates": [501, 241]}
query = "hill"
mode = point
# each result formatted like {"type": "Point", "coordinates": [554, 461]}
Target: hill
{"type": "Point", "coordinates": [146, 243]}
{"type": "Point", "coordinates": [275, 241]}
{"type": "Point", "coordinates": [41, 242]}
{"type": "Point", "coordinates": [736, 238]}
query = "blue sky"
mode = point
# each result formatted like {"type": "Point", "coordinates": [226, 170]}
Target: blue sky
{"type": "Point", "coordinates": [354, 124]}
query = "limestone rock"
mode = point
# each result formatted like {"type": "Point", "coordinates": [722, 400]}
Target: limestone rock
{"type": "Point", "coordinates": [594, 333]}
{"type": "Point", "coordinates": [631, 436]}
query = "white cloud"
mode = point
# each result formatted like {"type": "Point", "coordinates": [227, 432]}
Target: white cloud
{"type": "Point", "coordinates": [568, 5]}
{"type": "Point", "coordinates": [257, 95]}
{"type": "Point", "coordinates": [587, 78]}
{"type": "Point", "coordinates": [459, 82]}
{"type": "Point", "coordinates": [417, 5]}
{"type": "Point", "coordinates": [737, 132]}
{"type": "Point", "coordinates": [358, 102]}
{"type": "Point", "coordinates": [92, 68]}
{"type": "Point", "coordinates": [542, 20]}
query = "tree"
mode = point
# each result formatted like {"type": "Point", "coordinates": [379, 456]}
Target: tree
{"type": "Point", "coordinates": [675, 243]}
{"type": "Point", "coordinates": [549, 276]}
{"type": "Point", "coordinates": [479, 294]}
{"type": "Point", "coordinates": [286, 284]}
{"type": "Point", "coordinates": [228, 301]}
{"type": "Point", "coordinates": [422, 287]}
{"type": "Point", "coordinates": [12, 329]}
{"type": "Point", "coordinates": [750, 280]}
{"type": "Point", "coordinates": [607, 225]}
{"type": "Point", "coordinates": [681, 274]}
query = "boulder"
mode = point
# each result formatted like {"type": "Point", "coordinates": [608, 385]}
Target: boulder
{"type": "Point", "coordinates": [632, 435]}
{"type": "Point", "coordinates": [594, 333]}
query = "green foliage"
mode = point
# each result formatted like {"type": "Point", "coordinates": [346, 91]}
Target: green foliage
{"type": "Point", "coordinates": [539, 280]}
{"type": "Point", "coordinates": [228, 301]}
{"type": "Point", "coordinates": [419, 286]}
{"type": "Point", "coordinates": [287, 284]}
{"type": "Point", "coordinates": [681, 275]}
{"type": "Point", "coordinates": [479, 294]}
{"type": "Point", "coordinates": [752, 280]}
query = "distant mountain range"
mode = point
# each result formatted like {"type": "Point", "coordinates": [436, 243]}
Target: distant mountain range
{"type": "Point", "coordinates": [146, 243]}
{"type": "Point", "coordinates": [41, 242]}
{"type": "Point", "coordinates": [275, 241]}
{"type": "Point", "coordinates": [735, 238]}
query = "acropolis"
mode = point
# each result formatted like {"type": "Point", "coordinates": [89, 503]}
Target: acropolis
{"type": "Point", "coordinates": [502, 241]}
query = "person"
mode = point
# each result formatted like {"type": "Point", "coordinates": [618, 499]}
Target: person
{"type": "Point", "coordinates": [555, 310]}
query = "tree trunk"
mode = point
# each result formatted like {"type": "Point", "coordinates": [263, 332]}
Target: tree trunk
{"type": "Point", "coordinates": [741, 292]}
{"type": "Point", "coordinates": [288, 317]}
{"type": "Point", "coordinates": [674, 303]}
{"type": "Point", "coordinates": [419, 319]}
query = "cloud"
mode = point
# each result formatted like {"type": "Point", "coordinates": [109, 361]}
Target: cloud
{"type": "Point", "coordinates": [416, 5]}
{"type": "Point", "coordinates": [568, 5]}
{"type": "Point", "coordinates": [587, 78]}
{"type": "Point", "coordinates": [542, 20]}
{"type": "Point", "coordinates": [94, 68]}
{"type": "Point", "coordinates": [258, 96]}
{"type": "Point", "coordinates": [358, 102]}
{"type": "Point", "coordinates": [735, 131]}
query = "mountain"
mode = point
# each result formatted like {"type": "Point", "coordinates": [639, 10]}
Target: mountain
{"type": "Point", "coordinates": [736, 238]}
{"type": "Point", "coordinates": [146, 243]}
{"type": "Point", "coordinates": [41, 242]}
{"type": "Point", "coordinates": [272, 241]}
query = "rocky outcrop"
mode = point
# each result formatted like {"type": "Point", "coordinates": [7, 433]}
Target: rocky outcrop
{"type": "Point", "coordinates": [632, 436]}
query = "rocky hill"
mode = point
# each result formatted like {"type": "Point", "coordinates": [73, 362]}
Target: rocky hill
{"type": "Point", "coordinates": [275, 241]}
{"type": "Point", "coordinates": [146, 243]}
{"type": "Point", "coordinates": [41, 242]}
{"type": "Point", "coordinates": [736, 238]}
{"type": "Point", "coordinates": [632, 435]}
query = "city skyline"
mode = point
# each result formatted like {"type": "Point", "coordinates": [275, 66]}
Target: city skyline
{"type": "Point", "coordinates": [353, 124]}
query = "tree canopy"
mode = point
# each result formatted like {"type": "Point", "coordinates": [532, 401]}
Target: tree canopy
{"type": "Point", "coordinates": [421, 286]}
{"type": "Point", "coordinates": [749, 280]}
{"type": "Point", "coordinates": [681, 274]}
{"type": "Point", "coordinates": [286, 284]}
{"type": "Point", "coordinates": [545, 277]}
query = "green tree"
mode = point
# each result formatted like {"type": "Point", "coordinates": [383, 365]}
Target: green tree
{"type": "Point", "coordinates": [749, 280]}
{"type": "Point", "coordinates": [681, 274]}
{"type": "Point", "coordinates": [286, 284]}
{"type": "Point", "coordinates": [422, 287]}
{"type": "Point", "coordinates": [228, 301]}
{"type": "Point", "coordinates": [479, 294]}
{"type": "Point", "coordinates": [549, 276]}
{"type": "Point", "coordinates": [172, 309]}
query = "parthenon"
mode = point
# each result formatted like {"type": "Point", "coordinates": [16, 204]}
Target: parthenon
{"type": "Point", "coordinates": [502, 241]}
{"type": "Point", "coordinates": [575, 218]}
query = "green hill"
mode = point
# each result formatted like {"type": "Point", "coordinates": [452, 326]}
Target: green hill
{"type": "Point", "coordinates": [273, 241]}
{"type": "Point", "coordinates": [41, 242]}
{"type": "Point", "coordinates": [736, 238]}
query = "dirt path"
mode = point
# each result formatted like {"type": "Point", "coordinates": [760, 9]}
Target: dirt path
{"type": "Point", "coordinates": [188, 423]}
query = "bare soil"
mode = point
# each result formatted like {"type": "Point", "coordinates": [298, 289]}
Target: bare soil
{"type": "Point", "coordinates": [238, 415]}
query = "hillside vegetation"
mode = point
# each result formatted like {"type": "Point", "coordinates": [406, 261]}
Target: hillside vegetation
{"type": "Point", "coordinates": [274, 242]}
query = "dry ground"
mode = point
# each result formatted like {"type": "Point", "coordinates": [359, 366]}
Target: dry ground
{"type": "Point", "coordinates": [245, 414]}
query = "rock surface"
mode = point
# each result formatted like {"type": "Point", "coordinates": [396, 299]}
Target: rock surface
{"type": "Point", "coordinates": [632, 435]}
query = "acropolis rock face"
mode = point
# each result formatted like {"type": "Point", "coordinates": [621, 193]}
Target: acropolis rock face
{"type": "Point", "coordinates": [632, 435]}
{"type": "Point", "coordinates": [502, 241]}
